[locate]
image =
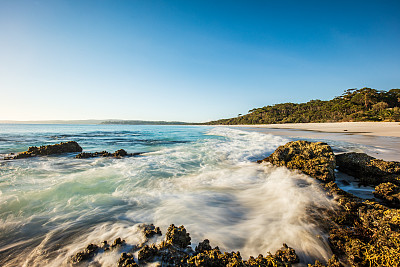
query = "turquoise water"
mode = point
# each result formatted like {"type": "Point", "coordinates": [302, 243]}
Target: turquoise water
{"type": "Point", "coordinates": [204, 178]}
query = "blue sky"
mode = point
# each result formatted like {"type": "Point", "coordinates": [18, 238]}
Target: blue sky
{"type": "Point", "coordinates": [189, 60]}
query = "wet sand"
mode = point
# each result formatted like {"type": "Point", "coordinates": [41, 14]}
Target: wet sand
{"type": "Point", "coordinates": [391, 129]}
{"type": "Point", "coordinates": [378, 139]}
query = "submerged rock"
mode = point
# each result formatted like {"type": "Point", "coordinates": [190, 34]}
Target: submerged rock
{"type": "Point", "coordinates": [314, 159]}
{"type": "Point", "coordinates": [367, 169]}
{"type": "Point", "coordinates": [67, 147]}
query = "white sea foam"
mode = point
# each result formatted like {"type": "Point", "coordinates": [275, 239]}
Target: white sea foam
{"type": "Point", "coordinates": [212, 186]}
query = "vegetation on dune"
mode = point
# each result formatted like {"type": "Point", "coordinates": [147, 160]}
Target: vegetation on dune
{"type": "Point", "coordinates": [364, 104]}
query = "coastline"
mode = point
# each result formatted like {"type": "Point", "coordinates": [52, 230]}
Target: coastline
{"type": "Point", "coordinates": [390, 129]}
{"type": "Point", "coordinates": [378, 139]}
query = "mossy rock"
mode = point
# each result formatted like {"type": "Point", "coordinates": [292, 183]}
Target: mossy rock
{"type": "Point", "coordinates": [312, 158]}
{"type": "Point", "coordinates": [367, 169]}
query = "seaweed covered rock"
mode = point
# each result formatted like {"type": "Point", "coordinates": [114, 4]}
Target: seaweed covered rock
{"type": "Point", "coordinates": [127, 260]}
{"type": "Point", "coordinates": [120, 153]}
{"type": "Point", "coordinates": [117, 154]}
{"type": "Point", "coordinates": [364, 233]}
{"type": "Point", "coordinates": [367, 169]}
{"type": "Point", "coordinates": [177, 236]}
{"type": "Point", "coordinates": [332, 262]}
{"type": "Point", "coordinates": [67, 147]}
{"type": "Point", "coordinates": [175, 251]}
{"type": "Point", "coordinates": [85, 155]}
{"type": "Point", "coordinates": [148, 253]}
{"type": "Point", "coordinates": [286, 255]}
{"type": "Point", "coordinates": [85, 254]}
{"type": "Point", "coordinates": [203, 246]}
{"type": "Point", "coordinates": [312, 158]}
{"type": "Point", "coordinates": [149, 230]}
{"type": "Point", "coordinates": [389, 192]}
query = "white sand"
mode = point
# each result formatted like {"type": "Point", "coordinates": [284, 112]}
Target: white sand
{"type": "Point", "coordinates": [362, 128]}
{"type": "Point", "coordinates": [378, 139]}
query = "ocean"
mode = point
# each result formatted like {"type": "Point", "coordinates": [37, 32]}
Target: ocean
{"type": "Point", "coordinates": [205, 178]}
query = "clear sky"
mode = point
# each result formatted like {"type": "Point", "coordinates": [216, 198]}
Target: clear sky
{"type": "Point", "coordinates": [189, 60]}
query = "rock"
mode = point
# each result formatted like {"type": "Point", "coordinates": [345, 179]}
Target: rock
{"type": "Point", "coordinates": [147, 253]}
{"type": "Point", "coordinates": [177, 236]}
{"type": "Point", "coordinates": [314, 159]}
{"type": "Point", "coordinates": [120, 153]}
{"type": "Point", "coordinates": [117, 154]}
{"type": "Point", "coordinates": [286, 255]}
{"type": "Point", "coordinates": [150, 230]}
{"type": "Point", "coordinates": [117, 243]}
{"type": "Point", "coordinates": [127, 260]}
{"type": "Point", "coordinates": [203, 246]}
{"type": "Point", "coordinates": [85, 155]}
{"type": "Point", "coordinates": [388, 192]}
{"type": "Point", "coordinates": [367, 169]}
{"type": "Point", "coordinates": [60, 148]}
{"type": "Point", "coordinates": [85, 254]}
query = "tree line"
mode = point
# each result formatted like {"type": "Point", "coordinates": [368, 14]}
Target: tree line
{"type": "Point", "coordinates": [363, 104]}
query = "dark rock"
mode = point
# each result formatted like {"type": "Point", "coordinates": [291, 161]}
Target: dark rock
{"type": "Point", "coordinates": [85, 155]}
{"type": "Point", "coordinates": [177, 236]}
{"type": "Point", "coordinates": [85, 254]}
{"type": "Point", "coordinates": [147, 253]}
{"type": "Point", "coordinates": [127, 260]}
{"type": "Point", "coordinates": [203, 246]}
{"type": "Point", "coordinates": [117, 243]}
{"type": "Point", "coordinates": [150, 230]}
{"type": "Point", "coordinates": [60, 148]}
{"type": "Point", "coordinates": [117, 154]}
{"type": "Point", "coordinates": [367, 169]}
{"type": "Point", "coordinates": [286, 255]}
{"type": "Point", "coordinates": [314, 159]}
{"type": "Point", "coordinates": [120, 153]}
{"type": "Point", "coordinates": [388, 192]}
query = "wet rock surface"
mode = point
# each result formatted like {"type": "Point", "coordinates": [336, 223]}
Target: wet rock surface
{"type": "Point", "coordinates": [367, 169]}
{"type": "Point", "coordinates": [117, 154]}
{"type": "Point", "coordinates": [312, 158]}
{"type": "Point", "coordinates": [68, 147]}
{"type": "Point", "coordinates": [174, 250]}
{"type": "Point", "coordinates": [389, 192]}
{"type": "Point", "coordinates": [361, 232]}
{"type": "Point", "coordinates": [33, 151]}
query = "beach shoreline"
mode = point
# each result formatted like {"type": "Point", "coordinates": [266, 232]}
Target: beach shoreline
{"type": "Point", "coordinates": [378, 139]}
{"type": "Point", "coordinates": [389, 129]}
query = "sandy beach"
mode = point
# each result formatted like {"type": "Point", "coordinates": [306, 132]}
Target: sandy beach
{"type": "Point", "coordinates": [378, 139]}
{"type": "Point", "coordinates": [362, 128]}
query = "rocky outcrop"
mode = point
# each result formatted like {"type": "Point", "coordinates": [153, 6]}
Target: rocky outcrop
{"type": "Point", "coordinates": [363, 232]}
{"type": "Point", "coordinates": [117, 154]}
{"type": "Point", "coordinates": [367, 169]}
{"type": "Point", "coordinates": [67, 147]}
{"type": "Point", "coordinates": [175, 250]}
{"type": "Point", "coordinates": [314, 159]}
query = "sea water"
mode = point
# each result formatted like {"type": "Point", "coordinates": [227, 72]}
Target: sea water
{"type": "Point", "coordinates": [204, 178]}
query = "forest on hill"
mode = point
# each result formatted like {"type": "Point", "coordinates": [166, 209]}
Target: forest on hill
{"type": "Point", "coordinates": [363, 104]}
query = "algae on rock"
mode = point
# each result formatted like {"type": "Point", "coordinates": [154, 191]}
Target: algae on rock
{"type": "Point", "coordinates": [312, 158]}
